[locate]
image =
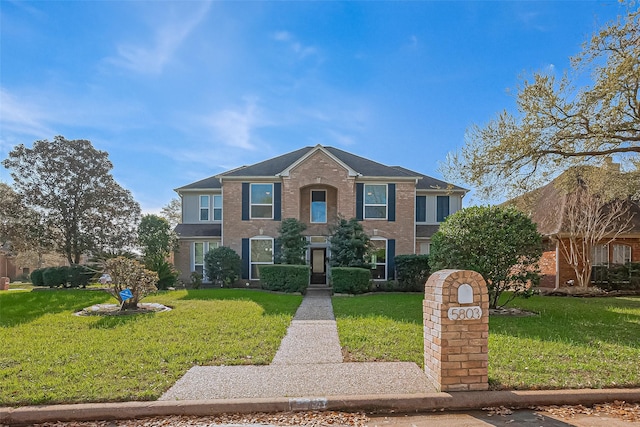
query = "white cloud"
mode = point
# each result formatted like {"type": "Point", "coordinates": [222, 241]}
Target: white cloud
{"type": "Point", "coordinates": [168, 38]}
{"type": "Point", "coordinates": [294, 45]}
{"type": "Point", "coordinates": [19, 116]}
{"type": "Point", "coordinates": [233, 127]}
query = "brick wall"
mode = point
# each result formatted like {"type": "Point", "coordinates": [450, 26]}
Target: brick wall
{"type": "Point", "coordinates": [456, 351]}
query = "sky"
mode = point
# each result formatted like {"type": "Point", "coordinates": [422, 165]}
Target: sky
{"type": "Point", "coordinates": [176, 92]}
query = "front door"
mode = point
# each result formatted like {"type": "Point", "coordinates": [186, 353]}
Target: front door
{"type": "Point", "coordinates": [318, 266]}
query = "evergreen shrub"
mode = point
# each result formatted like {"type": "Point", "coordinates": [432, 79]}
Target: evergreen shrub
{"type": "Point", "coordinates": [284, 277]}
{"type": "Point", "coordinates": [350, 280]}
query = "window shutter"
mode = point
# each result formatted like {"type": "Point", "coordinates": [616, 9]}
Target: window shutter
{"type": "Point", "coordinates": [391, 202]}
{"type": "Point", "coordinates": [245, 202]}
{"type": "Point", "coordinates": [277, 251]}
{"type": "Point", "coordinates": [359, 201]}
{"type": "Point", "coordinates": [421, 208]}
{"type": "Point", "coordinates": [245, 259]}
{"type": "Point", "coordinates": [391, 259]}
{"type": "Point", "coordinates": [277, 201]}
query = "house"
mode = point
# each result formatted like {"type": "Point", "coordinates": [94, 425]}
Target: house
{"type": "Point", "coordinates": [242, 209]}
{"type": "Point", "coordinates": [549, 207]}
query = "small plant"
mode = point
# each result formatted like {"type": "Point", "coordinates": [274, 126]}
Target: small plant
{"type": "Point", "coordinates": [350, 280]}
{"type": "Point", "coordinates": [196, 279]}
{"type": "Point", "coordinates": [130, 274]}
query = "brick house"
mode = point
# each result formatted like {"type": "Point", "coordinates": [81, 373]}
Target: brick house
{"type": "Point", "coordinates": [547, 206]}
{"type": "Point", "coordinates": [242, 209]}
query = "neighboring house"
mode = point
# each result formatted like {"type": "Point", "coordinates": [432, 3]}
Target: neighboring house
{"type": "Point", "coordinates": [547, 208]}
{"type": "Point", "coordinates": [243, 208]}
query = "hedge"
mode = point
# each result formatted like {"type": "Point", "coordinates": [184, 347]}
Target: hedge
{"type": "Point", "coordinates": [80, 276]}
{"type": "Point", "coordinates": [36, 277]}
{"type": "Point", "coordinates": [412, 272]}
{"type": "Point", "coordinates": [617, 277]}
{"type": "Point", "coordinates": [55, 276]}
{"type": "Point", "coordinates": [350, 280]}
{"type": "Point", "coordinates": [285, 277]}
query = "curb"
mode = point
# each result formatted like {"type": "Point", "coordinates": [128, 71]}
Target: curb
{"type": "Point", "coordinates": [375, 403]}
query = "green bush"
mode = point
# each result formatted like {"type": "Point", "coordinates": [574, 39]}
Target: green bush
{"type": "Point", "coordinates": [196, 279]}
{"type": "Point", "coordinates": [350, 280]}
{"type": "Point", "coordinates": [55, 276]}
{"type": "Point", "coordinates": [412, 272]}
{"type": "Point", "coordinates": [79, 276]}
{"type": "Point", "coordinates": [36, 277]}
{"type": "Point", "coordinates": [387, 286]}
{"type": "Point", "coordinates": [617, 277]}
{"type": "Point", "coordinates": [284, 277]}
{"type": "Point", "coordinates": [167, 274]}
{"type": "Point", "coordinates": [222, 265]}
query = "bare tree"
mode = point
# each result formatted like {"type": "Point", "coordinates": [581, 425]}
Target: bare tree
{"type": "Point", "coordinates": [590, 220]}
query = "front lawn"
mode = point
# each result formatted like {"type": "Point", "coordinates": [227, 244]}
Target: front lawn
{"type": "Point", "coordinates": [573, 343]}
{"type": "Point", "coordinates": [47, 355]}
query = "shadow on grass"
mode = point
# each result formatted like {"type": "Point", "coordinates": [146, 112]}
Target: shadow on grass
{"type": "Point", "coordinates": [401, 307]}
{"type": "Point", "coordinates": [575, 320]}
{"type": "Point", "coordinates": [273, 304]}
{"type": "Point", "coordinates": [113, 321]}
{"type": "Point", "coordinates": [24, 307]}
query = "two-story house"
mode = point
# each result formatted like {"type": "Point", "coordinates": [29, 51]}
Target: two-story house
{"type": "Point", "coordinates": [243, 208]}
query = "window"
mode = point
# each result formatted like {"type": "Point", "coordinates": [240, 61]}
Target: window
{"type": "Point", "coordinates": [204, 208]}
{"type": "Point", "coordinates": [379, 259]}
{"type": "Point", "coordinates": [261, 252]}
{"type": "Point", "coordinates": [262, 201]}
{"type": "Point", "coordinates": [621, 254]}
{"type": "Point", "coordinates": [425, 248]}
{"type": "Point", "coordinates": [442, 208]}
{"type": "Point", "coordinates": [600, 255]}
{"type": "Point", "coordinates": [217, 208]}
{"type": "Point", "coordinates": [375, 201]}
{"type": "Point", "coordinates": [421, 208]}
{"type": "Point", "coordinates": [200, 249]}
{"type": "Point", "coordinates": [318, 206]}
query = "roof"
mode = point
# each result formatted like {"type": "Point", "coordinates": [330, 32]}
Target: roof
{"type": "Point", "coordinates": [198, 230]}
{"type": "Point", "coordinates": [358, 165]}
{"type": "Point", "coordinates": [547, 206]}
{"type": "Point", "coordinates": [426, 230]}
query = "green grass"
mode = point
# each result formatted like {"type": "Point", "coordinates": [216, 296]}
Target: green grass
{"type": "Point", "coordinates": [573, 343]}
{"type": "Point", "coordinates": [47, 355]}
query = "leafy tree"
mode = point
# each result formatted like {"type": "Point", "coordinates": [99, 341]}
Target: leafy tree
{"type": "Point", "coordinates": [502, 244]}
{"type": "Point", "coordinates": [69, 183]}
{"type": "Point", "coordinates": [292, 243]}
{"type": "Point", "coordinates": [222, 265]}
{"type": "Point", "coordinates": [560, 124]}
{"type": "Point", "coordinates": [349, 244]}
{"type": "Point", "coordinates": [172, 212]}
{"type": "Point", "coordinates": [129, 274]}
{"type": "Point", "coordinates": [156, 238]}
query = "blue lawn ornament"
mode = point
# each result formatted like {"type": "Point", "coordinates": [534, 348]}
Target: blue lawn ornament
{"type": "Point", "coordinates": [126, 294]}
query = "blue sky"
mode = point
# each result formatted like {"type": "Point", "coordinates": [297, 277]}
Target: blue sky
{"type": "Point", "coordinates": [179, 91]}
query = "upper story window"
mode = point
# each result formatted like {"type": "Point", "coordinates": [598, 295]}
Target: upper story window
{"type": "Point", "coordinates": [318, 206]}
{"type": "Point", "coordinates": [621, 254]}
{"type": "Point", "coordinates": [262, 201]}
{"type": "Point", "coordinates": [442, 208]}
{"type": "Point", "coordinates": [204, 208]}
{"type": "Point", "coordinates": [217, 208]}
{"type": "Point", "coordinates": [375, 201]}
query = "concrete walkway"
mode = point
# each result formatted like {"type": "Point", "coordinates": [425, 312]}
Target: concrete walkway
{"type": "Point", "coordinates": [308, 363]}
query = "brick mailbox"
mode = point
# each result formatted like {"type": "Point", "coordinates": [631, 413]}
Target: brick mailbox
{"type": "Point", "coordinates": [456, 330]}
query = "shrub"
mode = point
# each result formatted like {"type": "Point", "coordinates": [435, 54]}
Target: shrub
{"type": "Point", "coordinates": [36, 277]}
{"type": "Point", "coordinates": [222, 265]}
{"type": "Point", "coordinates": [130, 274]}
{"type": "Point", "coordinates": [167, 274]}
{"type": "Point", "coordinates": [617, 277]}
{"type": "Point", "coordinates": [285, 278]}
{"type": "Point", "coordinates": [387, 286]}
{"type": "Point", "coordinates": [291, 242]}
{"type": "Point", "coordinates": [350, 245]}
{"type": "Point", "coordinates": [55, 276]}
{"type": "Point", "coordinates": [80, 276]}
{"type": "Point", "coordinates": [196, 280]}
{"type": "Point", "coordinates": [412, 272]}
{"type": "Point", "coordinates": [350, 280]}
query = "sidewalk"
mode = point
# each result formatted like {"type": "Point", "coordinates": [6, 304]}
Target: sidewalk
{"type": "Point", "coordinates": [308, 363]}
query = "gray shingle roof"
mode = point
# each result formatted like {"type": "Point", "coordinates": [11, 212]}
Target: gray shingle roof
{"type": "Point", "coordinates": [198, 230]}
{"type": "Point", "coordinates": [365, 167]}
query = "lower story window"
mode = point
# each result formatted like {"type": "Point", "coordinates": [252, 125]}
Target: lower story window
{"type": "Point", "coordinates": [379, 259]}
{"type": "Point", "coordinates": [621, 254]}
{"type": "Point", "coordinates": [425, 248]}
{"type": "Point", "coordinates": [200, 249]}
{"type": "Point", "coordinates": [261, 253]}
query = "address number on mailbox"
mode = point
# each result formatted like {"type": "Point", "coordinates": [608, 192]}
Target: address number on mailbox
{"type": "Point", "coordinates": [465, 313]}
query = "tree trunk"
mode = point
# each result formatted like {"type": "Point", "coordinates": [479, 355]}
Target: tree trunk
{"type": "Point", "coordinates": [129, 304]}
